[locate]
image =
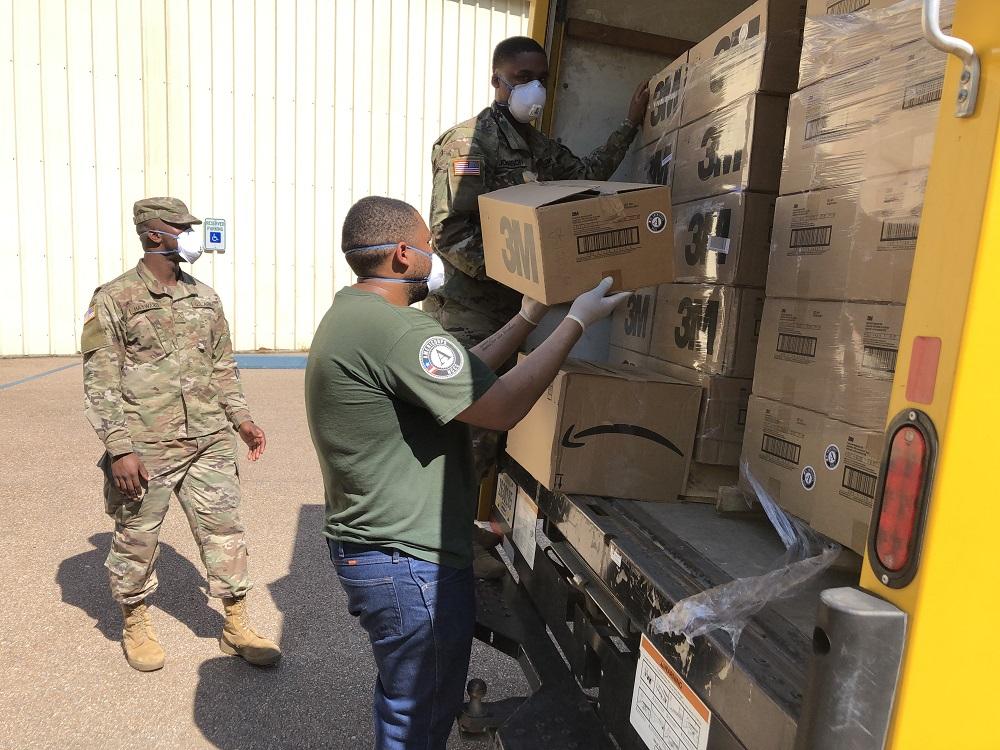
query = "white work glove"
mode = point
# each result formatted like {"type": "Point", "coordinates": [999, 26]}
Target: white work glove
{"type": "Point", "coordinates": [592, 306]}
{"type": "Point", "coordinates": [532, 310]}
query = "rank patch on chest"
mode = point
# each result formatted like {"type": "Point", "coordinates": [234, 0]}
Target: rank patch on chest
{"type": "Point", "coordinates": [467, 167]}
{"type": "Point", "coordinates": [440, 358]}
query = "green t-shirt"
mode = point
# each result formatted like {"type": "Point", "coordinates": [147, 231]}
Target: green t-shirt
{"type": "Point", "coordinates": [383, 386]}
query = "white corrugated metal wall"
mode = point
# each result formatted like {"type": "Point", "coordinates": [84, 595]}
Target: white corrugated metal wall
{"type": "Point", "coordinates": [273, 114]}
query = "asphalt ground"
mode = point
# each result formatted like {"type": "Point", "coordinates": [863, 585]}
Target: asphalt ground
{"type": "Point", "coordinates": [63, 680]}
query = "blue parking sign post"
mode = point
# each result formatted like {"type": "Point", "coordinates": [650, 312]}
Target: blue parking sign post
{"type": "Point", "coordinates": [215, 235]}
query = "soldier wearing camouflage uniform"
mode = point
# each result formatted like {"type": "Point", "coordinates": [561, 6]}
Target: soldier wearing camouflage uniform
{"type": "Point", "coordinates": [494, 150]}
{"type": "Point", "coordinates": [163, 393]}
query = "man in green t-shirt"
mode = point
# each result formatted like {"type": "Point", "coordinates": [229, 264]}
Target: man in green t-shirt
{"type": "Point", "coordinates": [389, 399]}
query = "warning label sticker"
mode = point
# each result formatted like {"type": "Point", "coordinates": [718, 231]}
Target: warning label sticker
{"type": "Point", "coordinates": [665, 711]}
{"type": "Point", "coordinates": [525, 526]}
{"type": "Point", "coordinates": [506, 494]}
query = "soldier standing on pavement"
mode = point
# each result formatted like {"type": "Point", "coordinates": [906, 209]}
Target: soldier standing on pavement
{"type": "Point", "coordinates": [162, 390]}
{"type": "Point", "coordinates": [495, 149]}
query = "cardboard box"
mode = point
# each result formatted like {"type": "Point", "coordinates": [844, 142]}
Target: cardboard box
{"type": "Point", "coordinates": [707, 327]}
{"type": "Point", "coordinates": [817, 468]}
{"type": "Point", "coordinates": [666, 92]}
{"type": "Point", "coordinates": [724, 239]}
{"type": "Point", "coordinates": [758, 50]}
{"type": "Point", "coordinates": [632, 322]}
{"type": "Point", "coordinates": [723, 413]}
{"type": "Point", "coordinates": [654, 163]}
{"type": "Point", "coordinates": [556, 240]}
{"type": "Point", "coordinates": [835, 357]}
{"type": "Point", "coordinates": [704, 481]}
{"type": "Point", "coordinates": [617, 356]}
{"type": "Point", "coordinates": [833, 43]}
{"type": "Point", "coordinates": [735, 148]}
{"type": "Point", "coordinates": [876, 120]}
{"type": "Point", "coordinates": [612, 431]}
{"type": "Point", "coordinates": [854, 242]}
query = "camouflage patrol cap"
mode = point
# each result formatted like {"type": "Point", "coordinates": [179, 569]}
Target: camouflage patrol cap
{"type": "Point", "coordinates": [170, 210]}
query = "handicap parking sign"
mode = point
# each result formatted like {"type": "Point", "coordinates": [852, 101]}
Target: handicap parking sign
{"type": "Point", "coordinates": [215, 235]}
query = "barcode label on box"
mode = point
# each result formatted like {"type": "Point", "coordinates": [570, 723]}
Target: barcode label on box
{"type": "Point", "coordinates": [815, 128]}
{"type": "Point", "coordinates": [879, 358]}
{"type": "Point", "coordinates": [610, 240]}
{"type": "Point", "coordinates": [803, 346]}
{"type": "Point", "coordinates": [924, 92]}
{"type": "Point", "coordinates": [860, 481]}
{"type": "Point", "coordinates": [783, 449]}
{"type": "Point", "coordinates": [900, 230]}
{"type": "Point", "coordinates": [841, 7]}
{"type": "Point", "coordinates": [811, 237]}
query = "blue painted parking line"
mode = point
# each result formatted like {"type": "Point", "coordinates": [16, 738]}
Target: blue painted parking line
{"type": "Point", "coordinates": [28, 379]}
{"type": "Point", "coordinates": [271, 361]}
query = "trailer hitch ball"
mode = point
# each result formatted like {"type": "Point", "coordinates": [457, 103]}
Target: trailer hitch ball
{"type": "Point", "coordinates": [477, 691]}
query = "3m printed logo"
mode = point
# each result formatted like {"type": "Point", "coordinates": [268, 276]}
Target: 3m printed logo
{"type": "Point", "coordinates": [466, 167]}
{"type": "Point", "coordinates": [440, 358]}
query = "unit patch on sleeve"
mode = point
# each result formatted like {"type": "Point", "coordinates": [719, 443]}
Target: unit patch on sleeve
{"type": "Point", "coordinates": [466, 167]}
{"type": "Point", "coordinates": [440, 358]}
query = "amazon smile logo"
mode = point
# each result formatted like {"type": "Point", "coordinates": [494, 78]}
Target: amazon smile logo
{"type": "Point", "coordinates": [616, 429]}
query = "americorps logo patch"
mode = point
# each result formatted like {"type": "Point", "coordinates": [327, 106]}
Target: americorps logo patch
{"type": "Point", "coordinates": [440, 358]}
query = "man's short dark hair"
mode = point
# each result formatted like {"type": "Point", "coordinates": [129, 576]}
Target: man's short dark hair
{"type": "Point", "coordinates": [375, 220]}
{"type": "Point", "coordinates": [510, 48]}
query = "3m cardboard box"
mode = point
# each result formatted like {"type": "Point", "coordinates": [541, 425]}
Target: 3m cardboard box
{"type": "Point", "coordinates": [738, 147]}
{"type": "Point", "coordinates": [758, 50]}
{"type": "Point", "coordinates": [707, 327]}
{"type": "Point", "coordinates": [822, 470]}
{"type": "Point", "coordinates": [617, 356]}
{"type": "Point", "coordinates": [852, 242]}
{"type": "Point", "coordinates": [834, 357]}
{"type": "Point", "coordinates": [666, 92]}
{"type": "Point", "coordinates": [876, 120]}
{"type": "Point", "coordinates": [555, 240]}
{"type": "Point", "coordinates": [612, 431]}
{"type": "Point", "coordinates": [654, 162]}
{"type": "Point", "coordinates": [632, 322]}
{"type": "Point", "coordinates": [724, 239]}
{"type": "Point", "coordinates": [723, 414]}
{"type": "Point", "coordinates": [833, 43]}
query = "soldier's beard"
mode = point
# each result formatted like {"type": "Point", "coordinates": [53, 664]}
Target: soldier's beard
{"type": "Point", "coordinates": [416, 293]}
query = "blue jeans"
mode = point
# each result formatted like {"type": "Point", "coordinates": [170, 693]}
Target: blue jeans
{"type": "Point", "coordinates": [420, 618]}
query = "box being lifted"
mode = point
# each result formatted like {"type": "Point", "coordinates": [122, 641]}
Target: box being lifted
{"type": "Point", "coordinates": [611, 431]}
{"type": "Point", "coordinates": [758, 50]}
{"type": "Point", "coordinates": [725, 239]}
{"type": "Point", "coordinates": [738, 147]}
{"type": "Point", "coordinates": [555, 240]}
{"type": "Point", "coordinates": [852, 242]}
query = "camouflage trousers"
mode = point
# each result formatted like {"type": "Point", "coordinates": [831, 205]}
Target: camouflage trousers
{"type": "Point", "coordinates": [202, 472]}
{"type": "Point", "coordinates": [470, 327]}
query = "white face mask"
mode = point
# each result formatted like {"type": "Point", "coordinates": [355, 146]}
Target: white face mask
{"type": "Point", "coordinates": [188, 245]}
{"type": "Point", "coordinates": [434, 280]}
{"type": "Point", "coordinates": [527, 100]}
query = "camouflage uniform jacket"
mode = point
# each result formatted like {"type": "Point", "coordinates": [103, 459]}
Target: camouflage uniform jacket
{"type": "Point", "coordinates": [484, 154]}
{"type": "Point", "coordinates": [158, 362]}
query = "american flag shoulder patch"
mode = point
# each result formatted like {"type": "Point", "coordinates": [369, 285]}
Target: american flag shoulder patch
{"type": "Point", "coordinates": [89, 315]}
{"type": "Point", "coordinates": [466, 167]}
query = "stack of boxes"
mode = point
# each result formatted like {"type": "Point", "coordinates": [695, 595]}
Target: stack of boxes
{"type": "Point", "coordinates": [858, 144]}
{"type": "Point", "coordinates": [714, 133]}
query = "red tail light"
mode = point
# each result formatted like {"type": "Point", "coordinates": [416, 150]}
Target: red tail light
{"type": "Point", "coordinates": [901, 500]}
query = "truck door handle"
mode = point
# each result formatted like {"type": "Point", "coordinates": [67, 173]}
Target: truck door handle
{"type": "Point", "coordinates": [968, 85]}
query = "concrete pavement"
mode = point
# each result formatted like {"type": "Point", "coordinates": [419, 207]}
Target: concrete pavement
{"type": "Point", "coordinates": [63, 680]}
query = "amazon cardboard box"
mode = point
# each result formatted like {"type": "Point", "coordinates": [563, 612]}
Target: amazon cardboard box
{"type": "Point", "coordinates": [737, 147]}
{"type": "Point", "coordinates": [835, 357]}
{"type": "Point", "coordinates": [842, 34]}
{"type": "Point", "coordinates": [757, 50]}
{"type": "Point", "coordinates": [707, 327]}
{"type": "Point", "coordinates": [666, 92]}
{"type": "Point", "coordinates": [654, 163]}
{"type": "Point", "coordinates": [817, 468]}
{"type": "Point", "coordinates": [613, 431]}
{"type": "Point", "coordinates": [555, 240]}
{"type": "Point", "coordinates": [854, 242]}
{"type": "Point", "coordinates": [876, 120]}
{"type": "Point", "coordinates": [725, 239]}
{"type": "Point", "coordinates": [632, 322]}
{"type": "Point", "coordinates": [723, 413]}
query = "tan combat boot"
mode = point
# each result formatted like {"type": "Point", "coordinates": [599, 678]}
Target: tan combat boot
{"type": "Point", "coordinates": [139, 642]}
{"type": "Point", "coordinates": [239, 639]}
